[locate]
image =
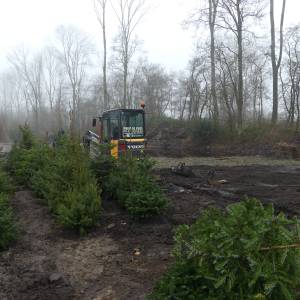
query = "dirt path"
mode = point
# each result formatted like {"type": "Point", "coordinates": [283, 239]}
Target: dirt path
{"type": "Point", "coordinates": [116, 261]}
{"type": "Point", "coordinates": [27, 269]}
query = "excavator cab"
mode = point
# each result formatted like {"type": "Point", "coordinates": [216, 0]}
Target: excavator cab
{"type": "Point", "coordinates": [124, 129]}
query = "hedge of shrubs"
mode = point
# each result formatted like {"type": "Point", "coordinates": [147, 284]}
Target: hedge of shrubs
{"type": "Point", "coordinates": [129, 181]}
{"type": "Point", "coordinates": [61, 176]}
{"type": "Point", "coordinates": [247, 252]}
{"type": "Point", "coordinates": [8, 230]}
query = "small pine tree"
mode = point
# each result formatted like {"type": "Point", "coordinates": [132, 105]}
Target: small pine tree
{"type": "Point", "coordinates": [70, 188]}
{"type": "Point", "coordinates": [132, 185]}
{"type": "Point", "coordinates": [79, 206]}
{"type": "Point", "coordinates": [234, 255]}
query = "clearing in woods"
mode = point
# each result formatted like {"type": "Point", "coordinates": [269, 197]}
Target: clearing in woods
{"type": "Point", "coordinates": [122, 258]}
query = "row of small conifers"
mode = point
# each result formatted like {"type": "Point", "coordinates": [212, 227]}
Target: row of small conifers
{"type": "Point", "coordinates": [245, 252]}
{"type": "Point", "coordinates": [71, 184]}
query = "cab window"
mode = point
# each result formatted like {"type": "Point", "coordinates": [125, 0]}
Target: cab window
{"type": "Point", "coordinates": [105, 130]}
{"type": "Point", "coordinates": [132, 124]}
{"type": "Point", "coordinates": [114, 129]}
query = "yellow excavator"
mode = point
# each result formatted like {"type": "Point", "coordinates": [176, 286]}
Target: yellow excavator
{"type": "Point", "coordinates": [123, 129]}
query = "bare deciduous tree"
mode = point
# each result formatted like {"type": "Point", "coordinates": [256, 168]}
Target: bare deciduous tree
{"type": "Point", "coordinates": [74, 53]}
{"type": "Point", "coordinates": [234, 15]}
{"type": "Point", "coordinates": [50, 75]}
{"type": "Point", "coordinates": [31, 73]}
{"type": "Point", "coordinates": [276, 62]}
{"type": "Point", "coordinates": [208, 16]}
{"type": "Point", "coordinates": [129, 14]}
{"type": "Point", "coordinates": [290, 76]}
{"type": "Point", "coordinates": [213, 8]}
{"type": "Point", "coordinates": [100, 7]}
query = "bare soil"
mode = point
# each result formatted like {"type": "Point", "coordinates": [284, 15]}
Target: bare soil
{"type": "Point", "coordinates": [122, 258]}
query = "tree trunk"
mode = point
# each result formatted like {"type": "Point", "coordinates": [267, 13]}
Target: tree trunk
{"type": "Point", "coordinates": [276, 63]}
{"type": "Point", "coordinates": [240, 100]}
{"type": "Point", "coordinates": [105, 93]}
{"type": "Point", "coordinates": [73, 115]}
{"type": "Point", "coordinates": [212, 17]}
{"type": "Point", "coordinates": [125, 75]}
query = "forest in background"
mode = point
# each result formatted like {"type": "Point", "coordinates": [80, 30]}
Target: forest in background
{"type": "Point", "coordinates": [244, 70]}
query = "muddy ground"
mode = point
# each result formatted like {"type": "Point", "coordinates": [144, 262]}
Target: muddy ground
{"type": "Point", "coordinates": [122, 258]}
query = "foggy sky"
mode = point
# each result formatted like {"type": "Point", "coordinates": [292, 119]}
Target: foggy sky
{"type": "Point", "coordinates": [32, 23]}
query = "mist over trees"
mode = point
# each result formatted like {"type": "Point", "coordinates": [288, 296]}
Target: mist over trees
{"type": "Point", "coordinates": [245, 68]}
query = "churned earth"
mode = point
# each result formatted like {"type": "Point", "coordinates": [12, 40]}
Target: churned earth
{"type": "Point", "coordinates": [122, 258]}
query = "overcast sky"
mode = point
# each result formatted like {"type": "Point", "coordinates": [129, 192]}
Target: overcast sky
{"type": "Point", "coordinates": [32, 23]}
